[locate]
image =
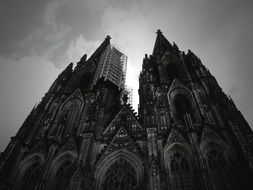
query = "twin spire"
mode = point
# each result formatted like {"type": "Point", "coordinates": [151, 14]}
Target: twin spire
{"type": "Point", "coordinates": [161, 45]}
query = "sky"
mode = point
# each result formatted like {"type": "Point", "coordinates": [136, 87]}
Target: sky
{"type": "Point", "coordinates": [38, 39]}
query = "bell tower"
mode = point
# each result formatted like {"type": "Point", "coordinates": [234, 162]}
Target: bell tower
{"type": "Point", "coordinates": [188, 119]}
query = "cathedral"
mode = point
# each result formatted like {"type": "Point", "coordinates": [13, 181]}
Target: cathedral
{"type": "Point", "coordinates": [84, 134]}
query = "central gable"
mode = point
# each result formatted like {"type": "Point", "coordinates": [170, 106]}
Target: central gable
{"type": "Point", "coordinates": [127, 119]}
{"type": "Point", "coordinates": [121, 140]}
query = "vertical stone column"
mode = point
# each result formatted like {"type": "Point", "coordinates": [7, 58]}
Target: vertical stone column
{"type": "Point", "coordinates": [84, 162]}
{"type": "Point", "coordinates": [46, 168]}
{"type": "Point", "coordinates": [86, 144]}
{"type": "Point", "coordinates": [197, 155]}
{"type": "Point", "coordinates": [154, 171]}
{"type": "Point", "coordinates": [76, 180]}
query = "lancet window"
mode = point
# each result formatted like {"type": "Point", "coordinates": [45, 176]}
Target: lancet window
{"type": "Point", "coordinates": [71, 111]}
{"type": "Point", "coordinates": [163, 120]}
{"type": "Point", "coordinates": [172, 71]}
{"type": "Point", "coordinates": [31, 177]}
{"type": "Point", "coordinates": [218, 169]}
{"type": "Point", "coordinates": [28, 173]}
{"type": "Point", "coordinates": [62, 176]}
{"type": "Point", "coordinates": [180, 170]}
{"type": "Point", "coordinates": [183, 106]}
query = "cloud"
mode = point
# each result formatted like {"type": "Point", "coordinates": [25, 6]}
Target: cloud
{"type": "Point", "coordinates": [48, 36]}
{"type": "Point", "coordinates": [66, 26]}
{"type": "Point", "coordinates": [58, 32]}
{"type": "Point", "coordinates": [73, 51]}
{"type": "Point", "coordinates": [49, 16]}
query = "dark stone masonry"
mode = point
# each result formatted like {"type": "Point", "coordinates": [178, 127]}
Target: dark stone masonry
{"type": "Point", "coordinates": [83, 135]}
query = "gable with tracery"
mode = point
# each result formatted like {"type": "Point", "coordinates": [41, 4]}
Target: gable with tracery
{"type": "Point", "coordinates": [127, 119]}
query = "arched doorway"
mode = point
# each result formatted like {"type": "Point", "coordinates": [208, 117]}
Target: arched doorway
{"type": "Point", "coordinates": [121, 169]}
{"type": "Point", "coordinates": [120, 176]}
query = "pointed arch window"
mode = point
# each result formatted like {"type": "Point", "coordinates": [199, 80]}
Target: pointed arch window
{"type": "Point", "coordinates": [86, 80]}
{"type": "Point", "coordinates": [169, 69]}
{"type": "Point", "coordinates": [163, 120]}
{"type": "Point", "coordinates": [152, 119]}
{"type": "Point", "coordinates": [183, 106]}
{"type": "Point", "coordinates": [218, 169]}
{"type": "Point", "coordinates": [28, 173]}
{"type": "Point", "coordinates": [172, 72]}
{"type": "Point", "coordinates": [148, 123]}
{"type": "Point", "coordinates": [62, 176]}
{"type": "Point", "coordinates": [120, 176]}
{"type": "Point", "coordinates": [31, 177]}
{"type": "Point", "coordinates": [151, 78]}
{"type": "Point", "coordinates": [134, 126]}
{"type": "Point", "coordinates": [180, 171]}
{"type": "Point", "coordinates": [71, 111]}
{"type": "Point", "coordinates": [68, 118]}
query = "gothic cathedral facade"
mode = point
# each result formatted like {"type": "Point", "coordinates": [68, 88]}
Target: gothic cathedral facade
{"type": "Point", "coordinates": [188, 133]}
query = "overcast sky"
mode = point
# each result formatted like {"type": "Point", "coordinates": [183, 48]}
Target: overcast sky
{"type": "Point", "coordinates": [39, 38]}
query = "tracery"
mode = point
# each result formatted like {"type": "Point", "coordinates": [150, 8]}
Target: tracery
{"type": "Point", "coordinates": [181, 174]}
{"type": "Point", "coordinates": [218, 168]}
{"type": "Point", "coordinates": [62, 176]}
{"type": "Point", "coordinates": [120, 176]}
{"type": "Point", "coordinates": [31, 177]}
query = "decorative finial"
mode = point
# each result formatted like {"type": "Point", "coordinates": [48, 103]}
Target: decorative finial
{"type": "Point", "coordinates": [159, 31]}
{"type": "Point", "coordinates": [108, 37]}
{"type": "Point", "coordinates": [70, 66]}
{"type": "Point", "coordinates": [125, 98]}
{"type": "Point", "coordinates": [84, 58]}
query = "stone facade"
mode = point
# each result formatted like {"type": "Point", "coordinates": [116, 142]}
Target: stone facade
{"type": "Point", "coordinates": [188, 133]}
